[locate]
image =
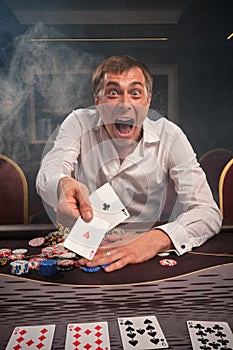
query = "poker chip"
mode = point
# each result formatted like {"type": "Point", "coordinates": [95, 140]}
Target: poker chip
{"type": "Point", "coordinates": [65, 262]}
{"type": "Point", "coordinates": [48, 267]}
{"type": "Point", "coordinates": [36, 242]}
{"type": "Point", "coordinates": [14, 257]}
{"type": "Point", "coordinates": [54, 237]}
{"type": "Point", "coordinates": [19, 251]}
{"type": "Point", "coordinates": [65, 265]}
{"type": "Point", "coordinates": [19, 267]}
{"type": "Point", "coordinates": [168, 262]}
{"type": "Point", "coordinates": [47, 250]}
{"type": "Point", "coordinates": [67, 255]}
{"type": "Point", "coordinates": [3, 261]}
{"type": "Point", "coordinates": [103, 266]}
{"type": "Point", "coordinates": [4, 252]}
{"type": "Point", "coordinates": [34, 264]}
{"type": "Point", "coordinates": [91, 269]}
{"type": "Point", "coordinates": [163, 254]}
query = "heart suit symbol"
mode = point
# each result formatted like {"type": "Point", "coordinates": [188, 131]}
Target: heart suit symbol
{"type": "Point", "coordinates": [86, 235]}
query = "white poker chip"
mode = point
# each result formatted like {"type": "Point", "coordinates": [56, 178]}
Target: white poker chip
{"type": "Point", "coordinates": [36, 242]}
{"type": "Point", "coordinates": [163, 254]}
{"type": "Point", "coordinates": [19, 251]}
{"type": "Point", "coordinates": [68, 255]}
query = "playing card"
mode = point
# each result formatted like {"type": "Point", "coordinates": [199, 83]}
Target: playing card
{"type": "Point", "coordinates": [107, 206]}
{"type": "Point", "coordinates": [33, 338]}
{"type": "Point", "coordinates": [141, 333]}
{"type": "Point", "coordinates": [85, 238]}
{"type": "Point", "coordinates": [93, 336]}
{"type": "Point", "coordinates": [210, 335]}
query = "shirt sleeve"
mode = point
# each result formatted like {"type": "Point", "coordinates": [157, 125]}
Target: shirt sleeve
{"type": "Point", "coordinates": [198, 217]}
{"type": "Point", "coordinates": [60, 160]}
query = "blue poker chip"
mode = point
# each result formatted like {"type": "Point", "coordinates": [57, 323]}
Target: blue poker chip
{"type": "Point", "coordinates": [91, 269]}
{"type": "Point", "coordinates": [103, 266]}
{"type": "Point", "coordinates": [48, 267]}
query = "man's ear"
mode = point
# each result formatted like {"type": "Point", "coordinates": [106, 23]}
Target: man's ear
{"type": "Point", "coordinates": [96, 100]}
{"type": "Point", "coordinates": [149, 100]}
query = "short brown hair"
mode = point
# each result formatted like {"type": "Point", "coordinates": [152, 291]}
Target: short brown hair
{"type": "Point", "coordinates": [119, 64]}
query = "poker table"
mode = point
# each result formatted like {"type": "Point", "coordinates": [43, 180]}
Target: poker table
{"type": "Point", "coordinates": [199, 287]}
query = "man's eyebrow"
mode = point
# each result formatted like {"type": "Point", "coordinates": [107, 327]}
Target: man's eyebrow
{"type": "Point", "coordinates": [136, 83]}
{"type": "Point", "coordinates": [115, 83]}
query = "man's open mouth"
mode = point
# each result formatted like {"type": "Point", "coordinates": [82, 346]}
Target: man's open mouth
{"type": "Point", "coordinates": [124, 125]}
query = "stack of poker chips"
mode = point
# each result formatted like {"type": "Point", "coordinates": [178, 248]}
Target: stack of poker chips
{"type": "Point", "coordinates": [65, 265]}
{"type": "Point", "coordinates": [48, 267]}
{"type": "Point", "coordinates": [19, 267]}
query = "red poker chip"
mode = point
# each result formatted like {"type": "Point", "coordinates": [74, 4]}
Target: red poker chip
{"type": "Point", "coordinates": [36, 242]}
{"type": "Point", "coordinates": [65, 263]}
{"type": "Point", "coordinates": [168, 262]}
{"type": "Point", "coordinates": [4, 252]}
{"type": "Point", "coordinates": [14, 257]}
{"type": "Point", "coordinates": [34, 264]}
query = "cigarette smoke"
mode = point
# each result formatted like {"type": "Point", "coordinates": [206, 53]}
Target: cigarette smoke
{"type": "Point", "coordinates": [40, 84]}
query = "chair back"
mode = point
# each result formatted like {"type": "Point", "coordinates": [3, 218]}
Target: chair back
{"type": "Point", "coordinates": [13, 193]}
{"type": "Point", "coordinates": [226, 191]}
{"type": "Point", "coordinates": [213, 163]}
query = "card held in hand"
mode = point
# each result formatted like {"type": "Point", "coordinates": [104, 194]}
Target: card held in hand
{"type": "Point", "coordinates": [108, 206]}
{"type": "Point", "coordinates": [32, 338]}
{"type": "Point", "coordinates": [210, 335]}
{"type": "Point", "coordinates": [80, 336]}
{"type": "Point", "coordinates": [141, 333]}
{"type": "Point", "coordinates": [85, 238]}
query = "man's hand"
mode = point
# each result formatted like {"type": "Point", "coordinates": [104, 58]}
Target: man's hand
{"type": "Point", "coordinates": [138, 251]}
{"type": "Point", "coordinates": [73, 201]}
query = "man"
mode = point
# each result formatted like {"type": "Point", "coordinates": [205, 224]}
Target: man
{"type": "Point", "coordinates": [119, 144]}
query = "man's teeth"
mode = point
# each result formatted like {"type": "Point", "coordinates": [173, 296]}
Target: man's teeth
{"type": "Point", "coordinates": [123, 120]}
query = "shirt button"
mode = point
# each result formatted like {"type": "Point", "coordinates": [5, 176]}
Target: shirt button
{"type": "Point", "coordinates": [183, 246]}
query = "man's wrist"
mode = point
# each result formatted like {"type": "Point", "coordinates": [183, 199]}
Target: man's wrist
{"type": "Point", "coordinates": [162, 239]}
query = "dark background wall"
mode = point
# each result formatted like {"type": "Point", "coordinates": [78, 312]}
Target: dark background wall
{"type": "Point", "coordinates": [197, 47]}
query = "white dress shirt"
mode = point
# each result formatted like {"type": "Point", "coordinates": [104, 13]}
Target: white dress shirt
{"type": "Point", "coordinates": [140, 180]}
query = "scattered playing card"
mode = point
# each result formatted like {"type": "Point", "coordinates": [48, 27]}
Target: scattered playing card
{"type": "Point", "coordinates": [85, 238]}
{"type": "Point", "coordinates": [33, 338]}
{"type": "Point", "coordinates": [93, 336]}
{"type": "Point", "coordinates": [141, 333]}
{"type": "Point", "coordinates": [107, 206]}
{"type": "Point", "coordinates": [210, 335]}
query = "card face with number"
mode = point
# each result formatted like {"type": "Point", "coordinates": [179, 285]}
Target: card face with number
{"type": "Point", "coordinates": [85, 238]}
{"type": "Point", "coordinates": [33, 338]}
{"type": "Point", "coordinates": [80, 336]}
{"type": "Point", "coordinates": [141, 333]}
{"type": "Point", "coordinates": [108, 206]}
{"type": "Point", "coordinates": [210, 335]}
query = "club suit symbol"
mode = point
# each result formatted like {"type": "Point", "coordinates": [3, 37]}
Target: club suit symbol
{"type": "Point", "coordinates": [106, 206]}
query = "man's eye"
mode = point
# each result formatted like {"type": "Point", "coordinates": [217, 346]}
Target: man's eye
{"type": "Point", "coordinates": [136, 93]}
{"type": "Point", "coordinates": [112, 92]}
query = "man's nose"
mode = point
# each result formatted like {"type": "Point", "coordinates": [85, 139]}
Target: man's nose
{"type": "Point", "coordinates": [125, 104]}
{"type": "Point", "coordinates": [124, 107]}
